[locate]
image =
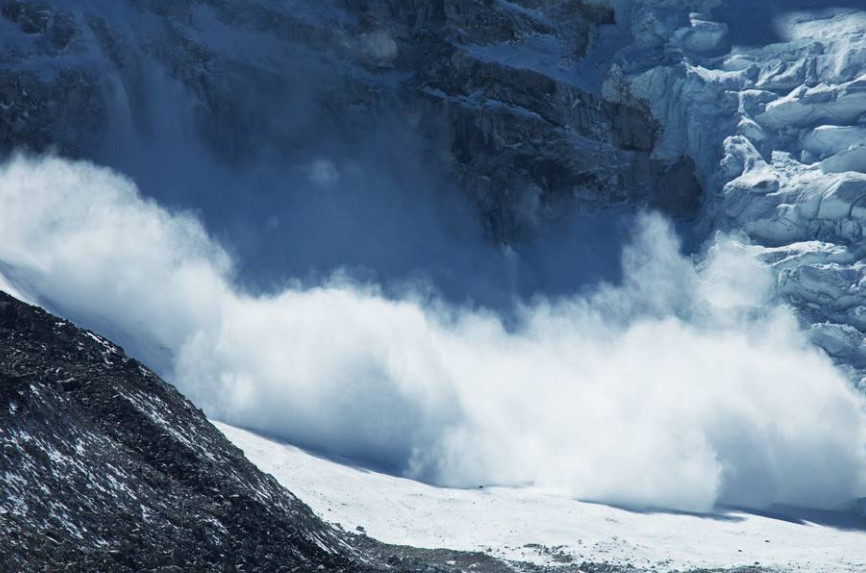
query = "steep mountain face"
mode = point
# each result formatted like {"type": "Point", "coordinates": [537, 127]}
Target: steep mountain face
{"type": "Point", "coordinates": [105, 467]}
{"type": "Point", "coordinates": [750, 117]}
{"type": "Point", "coordinates": [499, 95]}
{"type": "Point", "coordinates": [536, 107]}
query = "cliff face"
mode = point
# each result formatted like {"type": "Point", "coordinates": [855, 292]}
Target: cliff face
{"type": "Point", "coordinates": [497, 94]}
{"type": "Point", "coordinates": [751, 118]}
{"type": "Point", "coordinates": [105, 467]}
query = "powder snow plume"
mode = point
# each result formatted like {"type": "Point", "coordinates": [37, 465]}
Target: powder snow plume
{"type": "Point", "coordinates": [681, 387]}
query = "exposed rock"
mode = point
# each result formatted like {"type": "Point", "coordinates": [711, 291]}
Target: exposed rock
{"type": "Point", "coordinates": [106, 467]}
{"type": "Point", "coordinates": [490, 87]}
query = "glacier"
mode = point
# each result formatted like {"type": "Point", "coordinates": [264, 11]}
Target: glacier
{"type": "Point", "coordinates": [778, 133]}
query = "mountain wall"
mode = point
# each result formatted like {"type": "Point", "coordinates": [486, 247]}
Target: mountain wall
{"type": "Point", "coordinates": [497, 95]}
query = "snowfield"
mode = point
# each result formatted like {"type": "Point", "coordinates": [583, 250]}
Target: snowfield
{"type": "Point", "coordinates": [530, 525]}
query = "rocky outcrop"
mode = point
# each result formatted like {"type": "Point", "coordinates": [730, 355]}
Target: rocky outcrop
{"type": "Point", "coordinates": [491, 90]}
{"type": "Point", "coordinates": [105, 467]}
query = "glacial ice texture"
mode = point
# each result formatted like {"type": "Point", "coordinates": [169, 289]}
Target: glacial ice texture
{"type": "Point", "coordinates": [773, 111]}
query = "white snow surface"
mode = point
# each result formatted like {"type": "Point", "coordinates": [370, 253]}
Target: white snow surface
{"type": "Point", "coordinates": [526, 523]}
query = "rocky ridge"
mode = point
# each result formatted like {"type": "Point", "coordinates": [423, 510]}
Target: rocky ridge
{"type": "Point", "coordinates": [107, 467]}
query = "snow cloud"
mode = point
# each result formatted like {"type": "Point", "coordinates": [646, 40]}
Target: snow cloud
{"type": "Point", "coordinates": [679, 388]}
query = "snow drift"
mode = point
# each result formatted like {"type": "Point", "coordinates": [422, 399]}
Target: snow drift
{"type": "Point", "coordinates": [679, 388]}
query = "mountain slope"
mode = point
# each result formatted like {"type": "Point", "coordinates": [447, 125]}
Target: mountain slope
{"type": "Point", "coordinates": [105, 467]}
{"type": "Point", "coordinates": [533, 106]}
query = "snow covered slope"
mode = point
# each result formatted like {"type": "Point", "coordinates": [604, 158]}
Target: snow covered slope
{"type": "Point", "coordinates": [529, 525]}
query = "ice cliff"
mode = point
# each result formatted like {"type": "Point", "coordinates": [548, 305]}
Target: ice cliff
{"type": "Point", "coordinates": [776, 127]}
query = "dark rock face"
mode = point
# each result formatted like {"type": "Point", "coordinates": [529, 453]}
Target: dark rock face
{"type": "Point", "coordinates": [105, 467]}
{"type": "Point", "coordinates": [33, 114]}
{"type": "Point", "coordinates": [490, 88]}
{"type": "Point", "coordinates": [679, 191]}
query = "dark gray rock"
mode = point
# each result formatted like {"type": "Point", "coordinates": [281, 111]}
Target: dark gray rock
{"type": "Point", "coordinates": [679, 191]}
{"type": "Point", "coordinates": [105, 467]}
{"type": "Point", "coordinates": [8, 314]}
{"type": "Point", "coordinates": [287, 80]}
